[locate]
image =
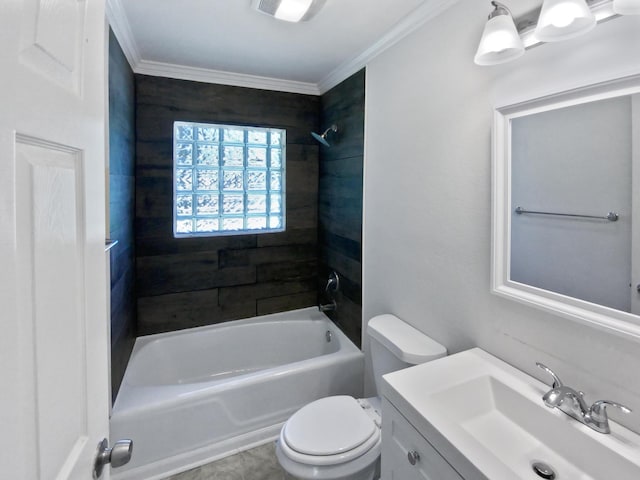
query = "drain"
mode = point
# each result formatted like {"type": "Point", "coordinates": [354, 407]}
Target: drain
{"type": "Point", "coordinates": [543, 470]}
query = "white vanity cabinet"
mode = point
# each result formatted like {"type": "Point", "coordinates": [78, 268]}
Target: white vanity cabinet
{"type": "Point", "coordinates": [407, 455]}
{"type": "Point", "coordinates": [472, 416]}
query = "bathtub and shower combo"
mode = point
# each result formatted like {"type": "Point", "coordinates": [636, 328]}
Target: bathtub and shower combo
{"type": "Point", "coordinates": [193, 396]}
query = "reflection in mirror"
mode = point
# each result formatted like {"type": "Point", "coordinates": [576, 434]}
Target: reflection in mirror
{"type": "Point", "coordinates": [574, 160]}
{"type": "Point", "coordinates": [566, 204]}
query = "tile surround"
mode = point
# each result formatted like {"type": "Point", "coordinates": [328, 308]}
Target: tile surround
{"type": "Point", "coordinates": [121, 210]}
{"type": "Point", "coordinates": [340, 202]}
{"type": "Point", "coordinates": [188, 282]}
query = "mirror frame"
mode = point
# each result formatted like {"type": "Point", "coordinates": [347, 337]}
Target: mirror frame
{"type": "Point", "coordinates": [604, 318]}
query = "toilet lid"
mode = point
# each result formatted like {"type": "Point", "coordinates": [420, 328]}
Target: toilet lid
{"type": "Point", "coordinates": [328, 426]}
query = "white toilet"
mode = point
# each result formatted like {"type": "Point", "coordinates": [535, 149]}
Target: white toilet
{"type": "Point", "coordinates": [339, 437]}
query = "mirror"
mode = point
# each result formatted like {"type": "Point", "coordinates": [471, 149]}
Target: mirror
{"type": "Point", "coordinates": [566, 204]}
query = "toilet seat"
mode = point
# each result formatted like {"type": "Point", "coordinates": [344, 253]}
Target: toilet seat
{"type": "Point", "coordinates": [329, 431]}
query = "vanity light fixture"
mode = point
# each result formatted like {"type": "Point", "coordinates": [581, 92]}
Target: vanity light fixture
{"type": "Point", "coordinates": [563, 19]}
{"type": "Point", "coordinates": [500, 41]}
{"type": "Point", "coordinates": [558, 20]}
{"type": "Point", "coordinates": [626, 7]}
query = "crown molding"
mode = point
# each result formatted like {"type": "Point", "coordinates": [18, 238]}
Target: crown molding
{"type": "Point", "coordinates": [182, 72]}
{"type": "Point", "coordinates": [119, 23]}
{"type": "Point", "coordinates": [427, 11]}
{"type": "Point", "coordinates": [121, 28]}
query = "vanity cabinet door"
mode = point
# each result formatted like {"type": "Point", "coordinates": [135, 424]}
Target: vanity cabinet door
{"type": "Point", "coordinates": [407, 455]}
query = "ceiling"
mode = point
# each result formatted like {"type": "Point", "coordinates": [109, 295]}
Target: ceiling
{"type": "Point", "coordinates": [227, 41]}
{"type": "Point", "coordinates": [229, 36]}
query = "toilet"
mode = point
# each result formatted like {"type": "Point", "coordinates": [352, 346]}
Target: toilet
{"type": "Point", "coordinates": [339, 437]}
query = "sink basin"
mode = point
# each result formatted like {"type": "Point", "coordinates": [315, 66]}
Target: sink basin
{"type": "Point", "coordinates": [489, 418]}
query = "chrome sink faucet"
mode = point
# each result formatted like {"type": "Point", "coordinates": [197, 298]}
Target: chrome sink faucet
{"type": "Point", "coordinates": [572, 402]}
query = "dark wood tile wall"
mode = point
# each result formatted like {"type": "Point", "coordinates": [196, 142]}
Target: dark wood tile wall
{"type": "Point", "coordinates": [340, 201]}
{"type": "Point", "coordinates": [121, 210]}
{"type": "Point", "coordinates": [189, 282]}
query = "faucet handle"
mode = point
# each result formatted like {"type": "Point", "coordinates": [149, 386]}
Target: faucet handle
{"type": "Point", "coordinates": [556, 380]}
{"type": "Point", "coordinates": [598, 409]}
{"type": "Point", "coordinates": [599, 420]}
{"type": "Point", "coordinates": [333, 283]}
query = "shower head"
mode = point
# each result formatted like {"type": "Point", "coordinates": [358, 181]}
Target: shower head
{"type": "Point", "coordinates": [320, 138]}
{"type": "Point", "coordinates": [323, 138]}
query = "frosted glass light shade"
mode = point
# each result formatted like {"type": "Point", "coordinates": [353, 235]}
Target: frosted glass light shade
{"type": "Point", "coordinates": [563, 19]}
{"type": "Point", "coordinates": [292, 10]}
{"type": "Point", "coordinates": [500, 42]}
{"type": "Point", "coordinates": [626, 7]}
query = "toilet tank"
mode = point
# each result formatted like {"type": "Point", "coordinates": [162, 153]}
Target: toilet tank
{"type": "Point", "coordinates": [396, 345]}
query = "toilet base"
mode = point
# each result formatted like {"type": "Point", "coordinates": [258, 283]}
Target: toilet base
{"type": "Point", "coordinates": [362, 476]}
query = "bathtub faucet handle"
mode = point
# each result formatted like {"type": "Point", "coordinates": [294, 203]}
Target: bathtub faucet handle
{"type": "Point", "coordinates": [333, 283]}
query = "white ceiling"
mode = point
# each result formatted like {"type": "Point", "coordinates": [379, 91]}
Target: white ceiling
{"type": "Point", "coordinates": [226, 41]}
{"type": "Point", "coordinates": [229, 36]}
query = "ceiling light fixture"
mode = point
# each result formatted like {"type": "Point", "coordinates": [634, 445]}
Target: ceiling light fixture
{"type": "Point", "coordinates": [289, 10]}
{"type": "Point", "coordinates": [626, 7]}
{"type": "Point", "coordinates": [500, 41]}
{"type": "Point", "coordinates": [292, 10]}
{"type": "Point", "coordinates": [563, 19]}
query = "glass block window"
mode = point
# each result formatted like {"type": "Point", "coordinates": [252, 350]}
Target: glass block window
{"type": "Point", "coordinates": [228, 180]}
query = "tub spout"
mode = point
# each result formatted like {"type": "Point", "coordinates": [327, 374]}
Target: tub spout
{"type": "Point", "coordinates": [328, 307]}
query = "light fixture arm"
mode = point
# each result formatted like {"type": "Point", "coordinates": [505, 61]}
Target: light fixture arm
{"type": "Point", "coordinates": [500, 9]}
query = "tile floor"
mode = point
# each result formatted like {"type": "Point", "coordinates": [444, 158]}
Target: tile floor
{"type": "Point", "coordinates": [259, 463]}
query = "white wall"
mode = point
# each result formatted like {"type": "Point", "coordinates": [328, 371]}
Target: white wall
{"type": "Point", "coordinates": [428, 194]}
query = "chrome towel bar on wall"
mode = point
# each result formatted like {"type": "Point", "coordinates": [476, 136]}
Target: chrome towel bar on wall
{"type": "Point", "coordinates": [611, 216]}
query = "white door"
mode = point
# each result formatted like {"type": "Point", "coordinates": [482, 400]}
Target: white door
{"type": "Point", "coordinates": [54, 327]}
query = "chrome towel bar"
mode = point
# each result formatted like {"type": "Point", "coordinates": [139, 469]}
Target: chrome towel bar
{"type": "Point", "coordinates": [611, 216]}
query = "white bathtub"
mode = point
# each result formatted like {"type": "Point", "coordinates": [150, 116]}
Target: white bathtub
{"type": "Point", "coordinates": [193, 396]}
